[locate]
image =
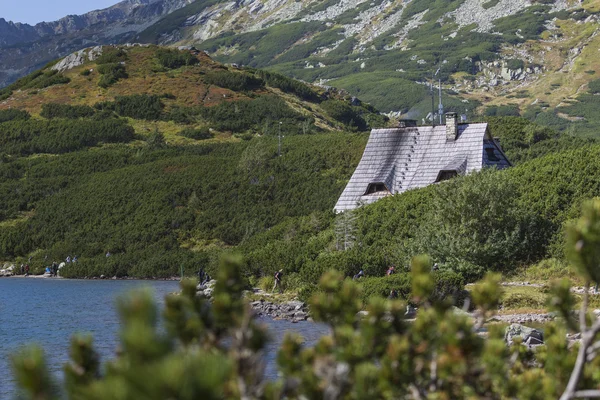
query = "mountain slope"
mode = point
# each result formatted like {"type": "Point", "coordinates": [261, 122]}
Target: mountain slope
{"type": "Point", "coordinates": [24, 48]}
{"type": "Point", "coordinates": [495, 57]}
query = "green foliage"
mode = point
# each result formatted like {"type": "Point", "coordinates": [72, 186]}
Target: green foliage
{"type": "Point", "coordinates": [111, 73]}
{"type": "Point", "coordinates": [136, 204]}
{"type": "Point", "coordinates": [173, 59]}
{"type": "Point", "coordinates": [24, 137]}
{"type": "Point", "coordinates": [515, 64]}
{"type": "Point", "coordinates": [493, 236]}
{"type": "Point", "coordinates": [13, 114]}
{"type": "Point", "coordinates": [594, 86]}
{"type": "Point", "coordinates": [375, 87]}
{"type": "Point", "coordinates": [260, 48]}
{"type": "Point", "coordinates": [236, 81]}
{"type": "Point", "coordinates": [582, 239]}
{"type": "Point", "coordinates": [446, 284]}
{"type": "Point", "coordinates": [345, 113]}
{"type": "Point", "coordinates": [261, 114]}
{"type": "Point", "coordinates": [288, 85]}
{"type": "Point", "coordinates": [215, 350]}
{"type": "Point", "coordinates": [490, 4]}
{"type": "Point", "coordinates": [197, 134]}
{"type": "Point", "coordinates": [137, 106]}
{"type": "Point", "coordinates": [37, 80]}
{"type": "Point", "coordinates": [111, 55]}
{"type": "Point", "coordinates": [54, 110]}
{"type": "Point", "coordinates": [523, 140]}
{"type": "Point", "coordinates": [502, 111]}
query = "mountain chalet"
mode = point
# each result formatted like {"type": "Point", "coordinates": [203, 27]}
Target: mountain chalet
{"type": "Point", "coordinates": [410, 156]}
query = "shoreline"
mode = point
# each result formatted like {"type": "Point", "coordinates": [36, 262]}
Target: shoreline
{"type": "Point", "coordinates": [95, 278]}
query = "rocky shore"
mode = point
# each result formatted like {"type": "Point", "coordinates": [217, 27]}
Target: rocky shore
{"type": "Point", "coordinates": [294, 311]}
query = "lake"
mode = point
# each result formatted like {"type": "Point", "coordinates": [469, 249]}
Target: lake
{"type": "Point", "coordinates": [50, 311]}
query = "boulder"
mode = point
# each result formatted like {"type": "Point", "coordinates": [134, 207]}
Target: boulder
{"type": "Point", "coordinates": [529, 336]}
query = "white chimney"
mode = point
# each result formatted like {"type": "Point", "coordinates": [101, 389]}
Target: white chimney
{"type": "Point", "coordinates": [451, 125]}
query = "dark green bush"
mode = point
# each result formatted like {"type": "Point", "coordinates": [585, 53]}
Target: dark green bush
{"type": "Point", "coordinates": [111, 55]}
{"type": "Point", "coordinates": [260, 114]}
{"type": "Point", "coordinates": [236, 81]}
{"type": "Point", "coordinates": [137, 106]}
{"type": "Point", "coordinates": [288, 85]}
{"type": "Point", "coordinates": [448, 284]}
{"type": "Point", "coordinates": [24, 137]}
{"type": "Point", "coordinates": [345, 113]}
{"type": "Point", "coordinates": [594, 86]}
{"type": "Point", "coordinates": [508, 110]}
{"type": "Point", "coordinates": [173, 59]}
{"type": "Point", "coordinates": [111, 73]}
{"type": "Point", "coordinates": [54, 110]}
{"type": "Point", "coordinates": [13, 114]}
{"type": "Point", "coordinates": [197, 134]}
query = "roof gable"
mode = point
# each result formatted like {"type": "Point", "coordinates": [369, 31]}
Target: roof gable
{"type": "Point", "coordinates": [413, 157]}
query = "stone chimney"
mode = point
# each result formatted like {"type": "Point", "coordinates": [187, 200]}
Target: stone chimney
{"type": "Point", "coordinates": [451, 125]}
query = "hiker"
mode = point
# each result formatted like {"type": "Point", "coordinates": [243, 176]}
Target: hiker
{"type": "Point", "coordinates": [393, 294]}
{"type": "Point", "coordinates": [107, 254]}
{"type": "Point", "coordinates": [68, 260]}
{"type": "Point", "coordinates": [201, 276]}
{"type": "Point", "coordinates": [435, 267]}
{"type": "Point", "coordinates": [360, 274]}
{"type": "Point", "coordinates": [54, 269]}
{"type": "Point", "coordinates": [26, 269]}
{"type": "Point", "coordinates": [391, 270]}
{"type": "Point", "coordinates": [74, 260]}
{"type": "Point", "coordinates": [278, 276]}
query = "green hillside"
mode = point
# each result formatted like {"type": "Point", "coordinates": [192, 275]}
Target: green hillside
{"type": "Point", "coordinates": [175, 162]}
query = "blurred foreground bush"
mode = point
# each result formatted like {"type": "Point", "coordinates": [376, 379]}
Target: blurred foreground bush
{"type": "Point", "coordinates": [216, 351]}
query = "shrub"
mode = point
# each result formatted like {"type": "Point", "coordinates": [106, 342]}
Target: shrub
{"type": "Point", "coordinates": [111, 55]}
{"type": "Point", "coordinates": [137, 106]}
{"type": "Point", "coordinates": [197, 134]}
{"type": "Point", "coordinates": [236, 81]}
{"type": "Point", "coordinates": [111, 73]}
{"type": "Point", "coordinates": [502, 111]}
{"type": "Point", "coordinates": [54, 110]}
{"type": "Point", "coordinates": [266, 283]}
{"type": "Point", "coordinates": [288, 85]}
{"type": "Point", "coordinates": [345, 113]}
{"type": "Point", "coordinates": [13, 114]}
{"type": "Point", "coordinates": [173, 59]}
{"type": "Point", "coordinates": [24, 137]}
{"type": "Point", "coordinates": [594, 86]}
{"type": "Point", "coordinates": [448, 284]}
{"type": "Point", "coordinates": [263, 113]}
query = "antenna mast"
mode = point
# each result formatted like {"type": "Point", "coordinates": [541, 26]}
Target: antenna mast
{"type": "Point", "coordinates": [440, 106]}
{"type": "Point", "coordinates": [432, 100]}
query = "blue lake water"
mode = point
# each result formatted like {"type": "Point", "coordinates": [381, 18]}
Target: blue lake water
{"type": "Point", "coordinates": [49, 311]}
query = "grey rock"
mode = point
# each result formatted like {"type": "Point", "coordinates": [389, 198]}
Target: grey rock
{"type": "Point", "coordinates": [529, 336]}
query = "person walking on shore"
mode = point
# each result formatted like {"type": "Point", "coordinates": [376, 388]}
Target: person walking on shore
{"type": "Point", "coordinates": [26, 269]}
{"type": "Point", "coordinates": [278, 276]}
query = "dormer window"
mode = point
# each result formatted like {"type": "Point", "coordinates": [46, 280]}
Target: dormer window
{"type": "Point", "coordinates": [377, 187]}
{"type": "Point", "coordinates": [446, 175]}
{"type": "Point", "coordinates": [491, 154]}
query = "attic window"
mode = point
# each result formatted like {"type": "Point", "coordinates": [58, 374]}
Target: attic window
{"type": "Point", "coordinates": [377, 188]}
{"type": "Point", "coordinates": [491, 155]}
{"type": "Point", "coordinates": [445, 175]}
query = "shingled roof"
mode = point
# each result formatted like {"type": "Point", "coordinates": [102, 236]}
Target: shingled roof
{"type": "Point", "coordinates": [399, 159]}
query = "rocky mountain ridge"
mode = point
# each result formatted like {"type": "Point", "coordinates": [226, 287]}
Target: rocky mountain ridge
{"type": "Point", "coordinates": [25, 48]}
{"type": "Point", "coordinates": [532, 56]}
